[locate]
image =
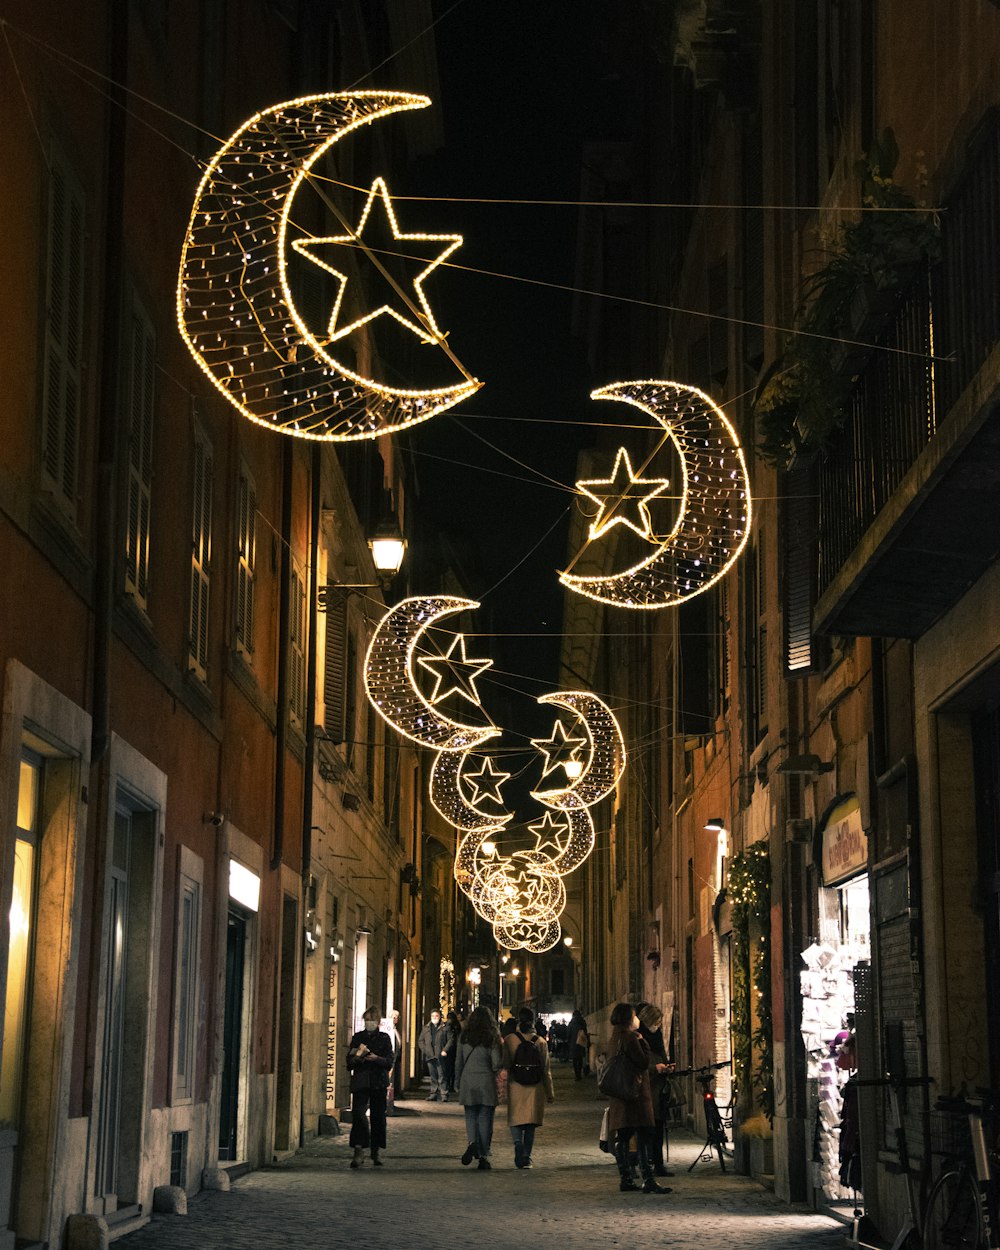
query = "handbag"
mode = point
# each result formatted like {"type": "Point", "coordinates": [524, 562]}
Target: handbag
{"type": "Point", "coordinates": [501, 1086]}
{"type": "Point", "coordinates": [620, 1079]}
{"type": "Point", "coordinates": [602, 1139]}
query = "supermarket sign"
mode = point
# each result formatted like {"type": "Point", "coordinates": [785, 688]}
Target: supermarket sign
{"type": "Point", "coordinates": [845, 844]}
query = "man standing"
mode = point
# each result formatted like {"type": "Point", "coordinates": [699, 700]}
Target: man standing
{"type": "Point", "coordinates": [435, 1042]}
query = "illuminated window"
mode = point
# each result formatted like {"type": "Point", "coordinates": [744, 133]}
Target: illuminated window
{"type": "Point", "coordinates": [201, 556]}
{"type": "Point", "coordinates": [139, 397]}
{"type": "Point", "coordinates": [62, 354]}
{"type": "Point", "coordinates": [22, 920]}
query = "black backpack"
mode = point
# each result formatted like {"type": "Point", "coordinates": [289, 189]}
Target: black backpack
{"type": "Point", "coordinates": [526, 1068]}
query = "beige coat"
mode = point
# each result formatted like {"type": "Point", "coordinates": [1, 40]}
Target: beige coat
{"type": "Point", "coordinates": [526, 1103]}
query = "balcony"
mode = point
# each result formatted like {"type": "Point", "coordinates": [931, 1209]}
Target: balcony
{"type": "Point", "coordinates": [908, 493]}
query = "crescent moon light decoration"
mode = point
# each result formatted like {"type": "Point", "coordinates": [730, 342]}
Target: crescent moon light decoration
{"type": "Point", "coordinates": [391, 682]}
{"type": "Point", "coordinates": [713, 523]}
{"type": "Point", "coordinates": [604, 756]}
{"type": "Point", "coordinates": [521, 894]}
{"type": "Point", "coordinates": [235, 307]}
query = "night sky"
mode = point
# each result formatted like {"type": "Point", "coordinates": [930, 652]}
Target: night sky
{"type": "Point", "coordinates": [521, 90]}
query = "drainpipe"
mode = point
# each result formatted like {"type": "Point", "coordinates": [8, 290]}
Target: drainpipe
{"type": "Point", "coordinates": [310, 761]}
{"type": "Point", "coordinates": [281, 728]}
{"type": "Point", "coordinates": [108, 415]}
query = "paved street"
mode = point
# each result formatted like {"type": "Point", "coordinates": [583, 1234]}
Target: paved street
{"type": "Point", "coordinates": [423, 1196]}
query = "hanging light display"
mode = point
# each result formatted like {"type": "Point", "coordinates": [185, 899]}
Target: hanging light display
{"type": "Point", "coordinates": [713, 521]}
{"type": "Point", "coordinates": [235, 305]}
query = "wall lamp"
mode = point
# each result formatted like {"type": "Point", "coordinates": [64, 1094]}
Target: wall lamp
{"type": "Point", "coordinates": [387, 546]}
{"type": "Point", "coordinates": [715, 825]}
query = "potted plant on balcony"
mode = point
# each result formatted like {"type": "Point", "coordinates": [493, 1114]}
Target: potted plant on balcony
{"type": "Point", "coordinates": [869, 265]}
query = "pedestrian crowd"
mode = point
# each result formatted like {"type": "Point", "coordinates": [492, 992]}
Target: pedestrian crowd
{"type": "Point", "coordinates": [486, 1065]}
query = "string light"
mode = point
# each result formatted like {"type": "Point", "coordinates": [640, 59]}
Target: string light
{"type": "Point", "coordinates": [235, 307]}
{"type": "Point", "coordinates": [714, 518]}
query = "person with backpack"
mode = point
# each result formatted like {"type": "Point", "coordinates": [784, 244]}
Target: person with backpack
{"type": "Point", "coordinates": [529, 1085]}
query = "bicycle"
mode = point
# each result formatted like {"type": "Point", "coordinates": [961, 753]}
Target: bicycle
{"type": "Point", "coordinates": [961, 1206]}
{"type": "Point", "coordinates": [716, 1137]}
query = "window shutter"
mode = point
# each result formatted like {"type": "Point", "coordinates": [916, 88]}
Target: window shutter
{"type": "Point", "coordinates": [246, 564]}
{"type": "Point", "coordinates": [62, 390]}
{"type": "Point", "coordinates": [201, 554]}
{"type": "Point", "coordinates": [799, 572]}
{"type": "Point", "coordinates": [335, 668]}
{"type": "Point", "coordinates": [140, 398]}
{"type": "Point", "coordinates": [296, 644]}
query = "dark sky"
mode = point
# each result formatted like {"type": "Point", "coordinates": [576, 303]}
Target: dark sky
{"type": "Point", "coordinates": [521, 90]}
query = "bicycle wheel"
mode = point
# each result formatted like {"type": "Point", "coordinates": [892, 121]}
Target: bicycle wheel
{"type": "Point", "coordinates": [951, 1219]}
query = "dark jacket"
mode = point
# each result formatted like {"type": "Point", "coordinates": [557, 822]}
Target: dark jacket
{"type": "Point", "coordinates": [657, 1054]}
{"type": "Point", "coordinates": [370, 1071]}
{"type": "Point", "coordinates": [637, 1112]}
{"type": "Point", "coordinates": [436, 1040]}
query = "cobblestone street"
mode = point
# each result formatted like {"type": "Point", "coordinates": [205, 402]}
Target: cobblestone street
{"type": "Point", "coordinates": [423, 1196]}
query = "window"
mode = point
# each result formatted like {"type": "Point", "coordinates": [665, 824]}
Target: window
{"type": "Point", "coordinates": [297, 647]}
{"type": "Point", "coordinates": [186, 978]}
{"type": "Point", "coordinates": [799, 580]}
{"type": "Point", "coordinates": [201, 556]}
{"type": "Point", "coordinates": [246, 562]}
{"type": "Point", "coordinates": [62, 353]}
{"type": "Point", "coordinates": [139, 392]}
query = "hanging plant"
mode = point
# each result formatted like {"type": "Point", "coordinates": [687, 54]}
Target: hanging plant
{"type": "Point", "coordinates": [749, 892]}
{"type": "Point", "coordinates": [870, 265]}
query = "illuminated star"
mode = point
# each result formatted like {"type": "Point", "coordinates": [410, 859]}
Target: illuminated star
{"type": "Point", "coordinates": [486, 782]}
{"type": "Point", "coordinates": [559, 748]}
{"type": "Point", "coordinates": [623, 493]}
{"type": "Point", "coordinates": [547, 833]}
{"type": "Point", "coordinates": [426, 328]}
{"type": "Point", "coordinates": [456, 676]}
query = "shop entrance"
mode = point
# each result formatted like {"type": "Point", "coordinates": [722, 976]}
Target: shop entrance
{"type": "Point", "coordinates": [842, 943]}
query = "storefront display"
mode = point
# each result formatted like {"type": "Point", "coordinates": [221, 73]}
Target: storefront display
{"type": "Point", "coordinates": [827, 986]}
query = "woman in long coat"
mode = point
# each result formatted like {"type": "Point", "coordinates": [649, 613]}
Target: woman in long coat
{"type": "Point", "coordinates": [651, 1032]}
{"type": "Point", "coordinates": [635, 1115]}
{"type": "Point", "coordinates": [369, 1058]}
{"type": "Point", "coordinates": [526, 1103]}
{"type": "Point", "coordinates": [476, 1066]}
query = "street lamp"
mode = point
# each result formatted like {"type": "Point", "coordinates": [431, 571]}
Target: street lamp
{"type": "Point", "coordinates": [387, 546]}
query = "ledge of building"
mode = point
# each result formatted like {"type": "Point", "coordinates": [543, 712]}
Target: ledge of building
{"type": "Point", "coordinates": [933, 538]}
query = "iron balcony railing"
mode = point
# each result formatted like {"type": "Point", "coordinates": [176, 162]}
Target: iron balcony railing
{"type": "Point", "coordinates": [938, 338]}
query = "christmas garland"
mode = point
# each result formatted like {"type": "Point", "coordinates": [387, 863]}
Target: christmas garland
{"type": "Point", "coordinates": [749, 891]}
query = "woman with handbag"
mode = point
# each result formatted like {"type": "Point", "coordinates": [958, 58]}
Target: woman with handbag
{"type": "Point", "coordinates": [370, 1059]}
{"type": "Point", "coordinates": [476, 1066]}
{"type": "Point", "coordinates": [625, 1082]}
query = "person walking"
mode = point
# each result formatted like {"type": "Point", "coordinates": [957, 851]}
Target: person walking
{"type": "Point", "coordinates": [651, 1032]}
{"type": "Point", "coordinates": [448, 1075]}
{"type": "Point", "coordinates": [578, 1042]}
{"type": "Point", "coordinates": [476, 1066]}
{"type": "Point", "coordinates": [369, 1060]}
{"type": "Point", "coordinates": [634, 1115]}
{"type": "Point", "coordinates": [434, 1042]}
{"type": "Point", "coordinates": [526, 1058]}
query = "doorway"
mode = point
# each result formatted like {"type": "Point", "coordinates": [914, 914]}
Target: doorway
{"type": "Point", "coordinates": [126, 992]}
{"type": "Point", "coordinates": [232, 1034]}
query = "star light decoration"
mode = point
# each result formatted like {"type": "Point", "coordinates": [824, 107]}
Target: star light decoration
{"type": "Point", "coordinates": [714, 517]}
{"type": "Point", "coordinates": [521, 894]}
{"type": "Point", "coordinates": [235, 305]}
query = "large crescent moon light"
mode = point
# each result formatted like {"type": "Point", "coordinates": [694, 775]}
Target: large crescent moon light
{"type": "Point", "coordinates": [391, 682]}
{"type": "Point", "coordinates": [606, 761]}
{"type": "Point", "coordinates": [713, 524]}
{"type": "Point", "coordinates": [235, 307]}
